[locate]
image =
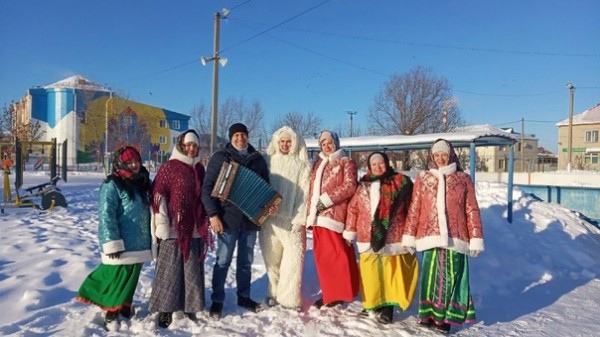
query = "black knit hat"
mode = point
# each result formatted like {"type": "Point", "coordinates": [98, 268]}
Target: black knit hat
{"type": "Point", "coordinates": [237, 127]}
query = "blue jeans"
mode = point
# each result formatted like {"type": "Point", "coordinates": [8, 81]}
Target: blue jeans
{"type": "Point", "coordinates": [226, 242]}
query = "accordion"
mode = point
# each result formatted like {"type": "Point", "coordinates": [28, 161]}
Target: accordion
{"type": "Point", "coordinates": [246, 190]}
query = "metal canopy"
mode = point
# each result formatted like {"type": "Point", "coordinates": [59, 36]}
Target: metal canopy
{"type": "Point", "coordinates": [480, 135]}
{"type": "Point", "coordinates": [471, 137]}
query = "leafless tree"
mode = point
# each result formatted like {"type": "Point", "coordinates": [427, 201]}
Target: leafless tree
{"type": "Point", "coordinates": [414, 103]}
{"type": "Point", "coordinates": [15, 124]}
{"type": "Point", "coordinates": [236, 110]}
{"type": "Point", "coordinates": [304, 124]}
{"type": "Point", "coordinates": [417, 102]}
{"type": "Point", "coordinates": [200, 119]}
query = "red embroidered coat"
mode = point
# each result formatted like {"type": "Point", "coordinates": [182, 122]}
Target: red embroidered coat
{"type": "Point", "coordinates": [463, 232]}
{"type": "Point", "coordinates": [360, 218]}
{"type": "Point", "coordinates": [332, 181]}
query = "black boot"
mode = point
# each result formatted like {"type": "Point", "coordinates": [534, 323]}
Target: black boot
{"type": "Point", "coordinates": [110, 319]}
{"type": "Point", "coordinates": [165, 319]}
{"type": "Point", "coordinates": [127, 312]}
{"type": "Point", "coordinates": [334, 303]}
{"type": "Point", "coordinates": [386, 315]}
{"type": "Point", "coordinates": [215, 310]}
{"type": "Point", "coordinates": [248, 303]}
{"type": "Point", "coordinates": [192, 316]}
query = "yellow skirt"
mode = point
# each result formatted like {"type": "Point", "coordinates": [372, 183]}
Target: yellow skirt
{"type": "Point", "coordinates": [388, 280]}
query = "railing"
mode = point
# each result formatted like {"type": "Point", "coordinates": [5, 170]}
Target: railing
{"type": "Point", "coordinates": [584, 200]}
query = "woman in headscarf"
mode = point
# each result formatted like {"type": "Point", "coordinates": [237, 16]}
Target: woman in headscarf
{"type": "Point", "coordinates": [283, 236]}
{"type": "Point", "coordinates": [332, 184]}
{"type": "Point", "coordinates": [376, 217]}
{"type": "Point", "coordinates": [124, 235]}
{"type": "Point", "coordinates": [180, 228]}
{"type": "Point", "coordinates": [444, 223]}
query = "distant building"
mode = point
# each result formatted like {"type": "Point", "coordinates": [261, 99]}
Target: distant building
{"type": "Point", "coordinates": [585, 147]}
{"type": "Point", "coordinates": [495, 158]}
{"type": "Point", "coordinates": [80, 111]}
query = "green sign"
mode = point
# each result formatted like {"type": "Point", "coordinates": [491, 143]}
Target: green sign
{"type": "Point", "coordinates": [575, 149]}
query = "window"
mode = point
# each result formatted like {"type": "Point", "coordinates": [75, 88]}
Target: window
{"type": "Point", "coordinates": [175, 125]}
{"type": "Point", "coordinates": [591, 158]}
{"type": "Point", "coordinates": [502, 164]}
{"type": "Point", "coordinates": [174, 140]}
{"type": "Point", "coordinates": [591, 136]}
{"type": "Point", "coordinates": [163, 123]}
{"type": "Point", "coordinates": [127, 120]}
{"type": "Point", "coordinates": [162, 140]}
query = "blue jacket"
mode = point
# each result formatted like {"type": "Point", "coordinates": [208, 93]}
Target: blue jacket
{"type": "Point", "coordinates": [231, 216]}
{"type": "Point", "coordinates": [124, 226]}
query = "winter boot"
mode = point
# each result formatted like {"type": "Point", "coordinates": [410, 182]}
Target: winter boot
{"type": "Point", "coordinates": [165, 319]}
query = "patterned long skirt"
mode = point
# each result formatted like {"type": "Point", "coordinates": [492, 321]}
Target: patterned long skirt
{"type": "Point", "coordinates": [336, 265]}
{"type": "Point", "coordinates": [388, 280]}
{"type": "Point", "coordinates": [178, 284]}
{"type": "Point", "coordinates": [111, 287]}
{"type": "Point", "coordinates": [445, 295]}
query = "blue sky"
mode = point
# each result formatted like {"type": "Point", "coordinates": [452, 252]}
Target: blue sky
{"type": "Point", "coordinates": [505, 60]}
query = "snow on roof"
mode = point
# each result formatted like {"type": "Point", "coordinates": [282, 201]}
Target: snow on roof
{"type": "Point", "coordinates": [481, 135]}
{"type": "Point", "coordinates": [589, 116]}
{"type": "Point", "coordinates": [76, 82]}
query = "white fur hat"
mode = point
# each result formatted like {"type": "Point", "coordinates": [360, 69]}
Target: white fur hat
{"type": "Point", "coordinates": [191, 137]}
{"type": "Point", "coordinates": [440, 146]}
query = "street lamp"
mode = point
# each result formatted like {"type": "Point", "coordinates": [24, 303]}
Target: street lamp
{"type": "Point", "coordinates": [570, 139]}
{"type": "Point", "coordinates": [106, 108]}
{"type": "Point", "coordinates": [215, 85]}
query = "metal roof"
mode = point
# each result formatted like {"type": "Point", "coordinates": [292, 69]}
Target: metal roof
{"type": "Point", "coordinates": [479, 135]}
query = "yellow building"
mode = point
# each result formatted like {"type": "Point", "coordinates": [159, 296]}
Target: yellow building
{"type": "Point", "coordinates": [584, 149]}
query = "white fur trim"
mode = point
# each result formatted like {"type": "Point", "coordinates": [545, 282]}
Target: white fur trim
{"type": "Point", "coordinates": [129, 258]}
{"type": "Point", "coordinates": [374, 197]}
{"type": "Point", "coordinates": [390, 249]}
{"type": "Point", "coordinates": [408, 241]}
{"type": "Point", "coordinates": [476, 244]}
{"type": "Point", "coordinates": [316, 192]}
{"type": "Point", "coordinates": [113, 246]}
{"type": "Point", "coordinates": [326, 200]}
{"type": "Point", "coordinates": [348, 235]}
{"type": "Point", "coordinates": [323, 221]}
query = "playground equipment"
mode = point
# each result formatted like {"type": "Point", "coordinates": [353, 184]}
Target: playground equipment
{"type": "Point", "coordinates": [47, 195]}
{"type": "Point", "coordinates": [44, 196]}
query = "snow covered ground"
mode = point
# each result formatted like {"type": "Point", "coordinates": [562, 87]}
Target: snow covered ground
{"type": "Point", "coordinates": [537, 277]}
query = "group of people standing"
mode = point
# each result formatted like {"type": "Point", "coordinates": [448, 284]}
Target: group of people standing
{"type": "Point", "coordinates": [175, 218]}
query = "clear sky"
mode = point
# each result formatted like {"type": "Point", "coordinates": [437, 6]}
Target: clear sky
{"type": "Point", "coordinates": [506, 60]}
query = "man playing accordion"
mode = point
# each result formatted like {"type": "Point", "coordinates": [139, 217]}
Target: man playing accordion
{"type": "Point", "coordinates": [230, 224]}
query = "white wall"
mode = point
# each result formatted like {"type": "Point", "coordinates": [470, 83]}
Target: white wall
{"type": "Point", "coordinates": [560, 178]}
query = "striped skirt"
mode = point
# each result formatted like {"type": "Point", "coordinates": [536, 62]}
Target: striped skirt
{"type": "Point", "coordinates": [445, 296]}
{"type": "Point", "coordinates": [178, 284]}
{"type": "Point", "coordinates": [388, 280]}
{"type": "Point", "coordinates": [111, 287]}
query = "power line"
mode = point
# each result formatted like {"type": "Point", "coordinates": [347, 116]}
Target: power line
{"type": "Point", "coordinates": [441, 46]}
{"type": "Point", "coordinates": [276, 26]}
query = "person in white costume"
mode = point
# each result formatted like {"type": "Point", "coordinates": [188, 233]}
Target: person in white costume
{"type": "Point", "coordinates": [283, 235]}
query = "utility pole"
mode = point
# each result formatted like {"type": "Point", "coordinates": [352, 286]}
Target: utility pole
{"type": "Point", "coordinates": [351, 113]}
{"type": "Point", "coordinates": [522, 144]}
{"type": "Point", "coordinates": [215, 83]}
{"type": "Point", "coordinates": [107, 107]}
{"type": "Point", "coordinates": [570, 141]}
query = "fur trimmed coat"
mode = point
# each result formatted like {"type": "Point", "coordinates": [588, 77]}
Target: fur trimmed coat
{"type": "Point", "coordinates": [463, 232]}
{"type": "Point", "coordinates": [333, 181]}
{"type": "Point", "coordinates": [360, 218]}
